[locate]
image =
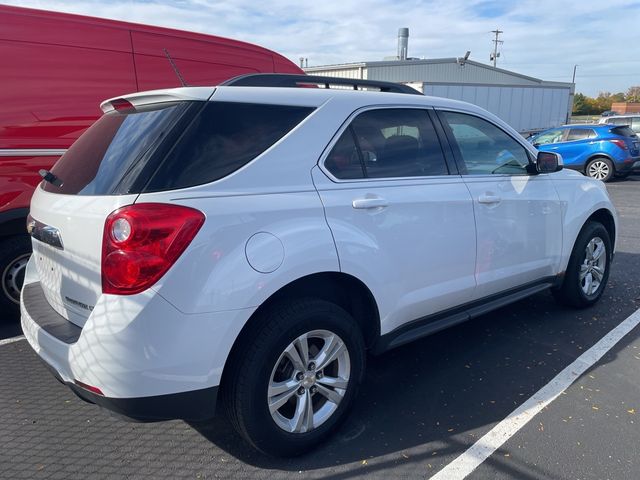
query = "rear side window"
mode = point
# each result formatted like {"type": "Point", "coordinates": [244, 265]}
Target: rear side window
{"type": "Point", "coordinates": [580, 134]}
{"type": "Point", "coordinates": [388, 143]}
{"type": "Point", "coordinates": [619, 120]}
{"type": "Point", "coordinates": [223, 138]}
{"type": "Point", "coordinates": [111, 155]}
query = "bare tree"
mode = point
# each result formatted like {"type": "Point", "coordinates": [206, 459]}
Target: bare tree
{"type": "Point", "coordinates": [633, 94]}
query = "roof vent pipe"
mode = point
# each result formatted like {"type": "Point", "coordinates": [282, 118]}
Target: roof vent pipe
{"type": "Point", "coordinates": [403, 43]}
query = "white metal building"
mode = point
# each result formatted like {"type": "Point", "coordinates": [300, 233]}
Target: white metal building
{"type": "Point", "coordinates": [526, 103]}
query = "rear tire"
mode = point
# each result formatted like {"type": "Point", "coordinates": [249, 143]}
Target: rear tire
{"type": "Point", "coordinates": [600, 168]}
{"type": "Point", "coordinates": [588, 270]}
{"type": "Point", "coordinates": [14, 255]}
{"type": "Point", "coordinates": [275, 402]}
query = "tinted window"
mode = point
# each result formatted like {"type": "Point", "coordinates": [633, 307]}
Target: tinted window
{"type": "Point", "coordinates": [483, 147]}
{"type": "Point", "coordinates": [623, 131]}
{"type": "Point", "coordinates": [109, 157]}
{"type": "Point", "coordinates": [223, 138]}
{"type": "Point", "coordinates": [398, 143]}
{"type": "Point", "coordinates": [552, 136]}
{"type": "Point", "coordinates": [620, 121]}
{"type": "Point", "coordinates": [580, 134]}
{"type": "Point", "coordinates": [344, 160]}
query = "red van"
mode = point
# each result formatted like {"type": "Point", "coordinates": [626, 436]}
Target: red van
{"type": "Point", "coordinates": [57, 68]}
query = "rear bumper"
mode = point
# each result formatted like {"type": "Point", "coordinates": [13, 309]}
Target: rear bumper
{"type": "Point", "coordinates": [196, 405]}
{"type": "Point", "coordinates": [149, 360]}
{"type": "Point", "coordinates": [628, 165]}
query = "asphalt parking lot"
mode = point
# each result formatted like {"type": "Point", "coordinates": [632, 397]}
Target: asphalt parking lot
{"type": "Point", "coordinates": [421, 406]}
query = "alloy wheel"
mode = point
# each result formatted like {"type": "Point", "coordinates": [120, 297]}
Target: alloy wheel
{"type": "Point", "coordinates": [593, 267]}
{"type": "Point", "coordinates": [308, 381]}
{"type": "Point", "coordinates": [599, 170]}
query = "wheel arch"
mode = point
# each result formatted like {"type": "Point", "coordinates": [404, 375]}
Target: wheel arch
{"type": "Point", "coordinates": [13, 222]}
{"type": "Point", "coordinates": [340, 288]}
{"type": "Point", "coordinates": [599, 155]}
{"type": "Point", "coordinates": [605, 217]}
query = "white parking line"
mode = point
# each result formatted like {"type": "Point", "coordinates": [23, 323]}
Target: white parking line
{"type": "Point", "coordinates": [11, 340]}
{"type": "Point", "coordinates": [498, 435]}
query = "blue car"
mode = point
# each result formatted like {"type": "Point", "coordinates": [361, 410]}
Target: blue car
{"type": "Point", "coordinates": [598, 151]}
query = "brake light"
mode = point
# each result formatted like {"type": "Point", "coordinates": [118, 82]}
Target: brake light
{"type": "Point", "coordinates": [621, 143]}
{"type": "Point", "coordinates": [123, 106]}
{"type": "Point", "coordinates": [142, 241]}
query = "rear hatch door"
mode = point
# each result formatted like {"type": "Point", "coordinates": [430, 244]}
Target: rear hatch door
{"type": "Point", "coordinates": [105, 169]}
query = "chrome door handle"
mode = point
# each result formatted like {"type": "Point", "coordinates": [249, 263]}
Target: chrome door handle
{"type": "Point", "coordinates": [364, 203]}
{"type": "Point", "coordinates": [489, 199]}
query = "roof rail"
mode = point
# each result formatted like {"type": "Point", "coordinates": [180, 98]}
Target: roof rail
{"type": "Point", "coordinates": [286, 80]}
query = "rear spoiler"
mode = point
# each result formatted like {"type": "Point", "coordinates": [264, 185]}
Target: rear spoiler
{"type": "Point", "coordinates": [132, 101]}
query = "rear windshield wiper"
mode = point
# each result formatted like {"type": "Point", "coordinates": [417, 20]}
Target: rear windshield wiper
{"type": "Point", "coordinates": [50, 177]}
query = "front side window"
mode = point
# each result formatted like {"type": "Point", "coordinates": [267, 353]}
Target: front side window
{"type": "Point", "coordinates": [552, 136]}
{"type": "Point", "coordinates": [388, 143]}
{"type": "Point", "coordinates": [483, 147]}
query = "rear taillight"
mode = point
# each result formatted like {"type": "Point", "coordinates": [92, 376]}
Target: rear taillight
{"type": "Point", "coordinates": [621, 143]}
{"type": "Point", "coordinates": [142, 241]}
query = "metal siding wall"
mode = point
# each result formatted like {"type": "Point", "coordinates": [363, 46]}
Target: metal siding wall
{"type": "Point", "coordinates": [345, 73]}
{"type": "Point", "coordinates": [444, 72]}
{"type": "Point", "coordinates": [524, 108]}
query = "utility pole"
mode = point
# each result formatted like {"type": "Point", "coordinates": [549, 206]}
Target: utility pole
{"type": "Point", "coordinates": [494, 56]}
{"type": "Point", "coordinates": [573, 79]}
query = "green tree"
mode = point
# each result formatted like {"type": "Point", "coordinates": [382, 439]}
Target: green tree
{"type": "Point", "coordinates": [579, 104]}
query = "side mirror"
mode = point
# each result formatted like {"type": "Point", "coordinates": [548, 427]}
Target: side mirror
{"type": "Point", "coordinates": [548, 162]}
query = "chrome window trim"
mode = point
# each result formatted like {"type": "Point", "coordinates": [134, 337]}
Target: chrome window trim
{"type": "Point", "coordinates": [32, 152]}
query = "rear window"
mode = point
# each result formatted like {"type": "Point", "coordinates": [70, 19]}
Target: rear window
{"type": "Point", "coordinates": [623, 131]}
{"type": "Point", "coordinates": [224, 137]}
{"type": "Point", "coordinates": [170, 146]}
{"type": "Point", "coordinates": [111, 155]}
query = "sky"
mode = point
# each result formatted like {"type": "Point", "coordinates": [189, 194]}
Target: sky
{"type": "Point", "coordinates": [542, 38]}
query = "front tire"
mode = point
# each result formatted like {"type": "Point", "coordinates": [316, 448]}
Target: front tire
{"type": "Point", "coordinates": [588, 270]}
{"type": "Point", "coordinates": [600, 168]}
{"type": "Point", "coordinates": [296, 377]}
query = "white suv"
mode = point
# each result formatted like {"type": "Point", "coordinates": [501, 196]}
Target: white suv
{"type": "Point", "coordinates": [255, 242]}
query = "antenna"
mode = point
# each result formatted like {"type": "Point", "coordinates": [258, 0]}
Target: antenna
{"type": "Point", "coordinates": [494, 56]}
{"type": "Point", "coordinates": [175, 69]}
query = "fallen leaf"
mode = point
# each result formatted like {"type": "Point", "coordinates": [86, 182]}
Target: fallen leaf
{"type": "Point", "coordinates": [632, 411]}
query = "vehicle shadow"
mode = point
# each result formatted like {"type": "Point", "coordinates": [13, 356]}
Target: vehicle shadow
{"type": "Point", "coordinates": [437, 396]}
